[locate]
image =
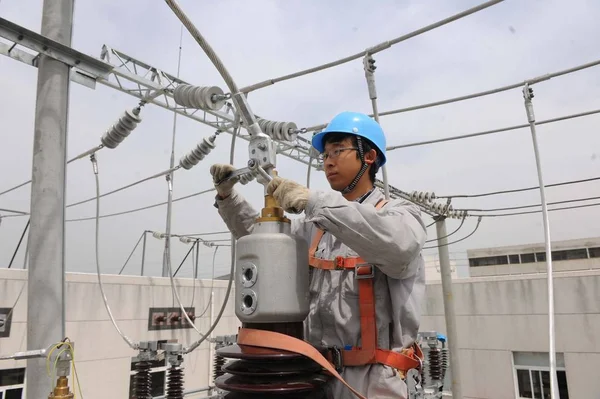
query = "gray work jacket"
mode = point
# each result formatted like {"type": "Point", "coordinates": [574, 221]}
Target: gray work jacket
{"type": "Point", "coordinates": [391, 239]}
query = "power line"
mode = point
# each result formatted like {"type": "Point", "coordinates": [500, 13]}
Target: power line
{"type": "Point", "coordinates": [448, 235]}
{"type": "Point", "coordinates": [163, 173]}
{"type": "Point", "coordinates": [531, 81]}
{"type": "Point", "coordinates": [493, 131]}
{"type": "Point", "coordinates": [457, 241]}
{"type": "Point", "coordinates": [140, 209]}
{"type": "Point", "coordinates": [516, 190]}
{"type": "Point", "coordinates": [538, 211]}
{"type": "Point", "coordinates": [372, 50]}
{"type": "Point", "coordinates": [511, 208]}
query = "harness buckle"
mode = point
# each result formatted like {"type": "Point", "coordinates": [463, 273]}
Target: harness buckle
{"type": "Point", "coordinates": [340, 261]}
{"type": "Point", "coordinates": [364, 271]}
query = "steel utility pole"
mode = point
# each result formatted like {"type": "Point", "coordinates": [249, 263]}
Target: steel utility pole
{"type": "Point", "coordinates": [450, 315]}
{"type": "Point", "coordinates": [46, 278]}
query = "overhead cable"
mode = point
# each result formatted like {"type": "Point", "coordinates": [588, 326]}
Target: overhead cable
{"type": "Point", "coordinates": [517, 190]}
{"type": "Point", "coordinates": [493, 131]}
{"type": "Point", "coordinates": [491, 215]}
{"type": "Point", "coordinates": [127, 340]}
{"type": "Point", "coordinates": [457, 241]}
{"type": "Point", "coordinates": [479, 94]}
{"type": "Point", "coordinates": [19, 244]}
{"type": "Point", "coordinates": [512, 208]}
{"type": "Point", "coordinates": [375, 49]}
{"type": "Point", "coordinates": [454, 232]}
{"type": "Point", "coordinates": [142, 208]}
{"type": "Point", "coordinates": [163, 173]}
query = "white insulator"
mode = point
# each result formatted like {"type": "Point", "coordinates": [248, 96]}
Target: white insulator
{"type": "Point", "coordinates": [120, 130]}
{"type": "Point", "coordinates": [158, 235]}
{"type": "Point", "coordinates": [246, 178]}
{"type": "Point", "coordinates": [203, 148]}
{"type": "Point", "coordinates": [282, 131]}
{"type": "Point", "coordinates": [203, 97]}
{"type": "Point", "coordinates": [186, 240]}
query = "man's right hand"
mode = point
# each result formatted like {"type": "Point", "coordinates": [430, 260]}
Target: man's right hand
{"type": "Point", "coordinates": [220, 172]}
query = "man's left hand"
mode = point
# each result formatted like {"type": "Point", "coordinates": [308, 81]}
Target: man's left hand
{"type": "Point", "coordinates": [291, 196]}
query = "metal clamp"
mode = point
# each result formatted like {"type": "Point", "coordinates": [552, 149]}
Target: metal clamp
{"type": "Point", "coordinates": [371, 273]}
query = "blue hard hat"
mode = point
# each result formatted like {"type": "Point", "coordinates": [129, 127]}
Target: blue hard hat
{"type": "Point", "coordinates": [357, 124]}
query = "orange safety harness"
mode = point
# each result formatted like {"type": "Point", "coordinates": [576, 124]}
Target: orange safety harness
{"type": "Point", "coordinates": [368, 353]}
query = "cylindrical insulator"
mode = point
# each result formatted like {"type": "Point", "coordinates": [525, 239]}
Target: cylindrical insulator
{"type": "Point", "coordinates": [246, 178]}
{"type": "Point", "coordinates": [203, 148]}
{"type": "Point", "coordinates": [283, 131]}
{"type": "Point", "coordinates": [158, 235]}
{"type": "Point", "coordinates": [218, 363]}
{"type": "Point", "coordinates": [435, 364]}
{"type": "Point", "coordinates": [175, 383]}
{"type": "Point", "coordinates": [187, 240]}
{"type": "Point", "coordinates": [142, 387]}
{"type": "Point", "coordinates": [120, 130]}
{"type": "Point", "coordinates": [444, 362]}
{"type": "Point", "coordinates": [203, 97]}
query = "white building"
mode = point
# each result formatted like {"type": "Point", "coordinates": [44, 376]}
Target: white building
{"type": "Point", "coordinates": [502, 319]}
{"type": "Point", "coordinates": [502, 327]}
{"type": "Point", "coordinates": [103, 360]}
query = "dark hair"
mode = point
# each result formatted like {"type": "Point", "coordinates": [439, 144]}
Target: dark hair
{"type": "Point", "coordinates": [367, 146]}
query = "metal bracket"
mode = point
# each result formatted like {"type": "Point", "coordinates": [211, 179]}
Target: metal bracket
{"type": "Point", "coordinates": [34, 41]}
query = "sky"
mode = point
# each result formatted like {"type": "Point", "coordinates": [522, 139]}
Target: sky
{"type": "Point", "coordinates": [258, 40]}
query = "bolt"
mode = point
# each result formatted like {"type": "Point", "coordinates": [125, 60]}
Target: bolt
{"type": "Point", "coordinates": [262, 146]}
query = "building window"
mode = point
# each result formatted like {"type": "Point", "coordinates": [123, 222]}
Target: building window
{"type": "Point", "coordinates": [527, 258]}
{"type": "Point", "coordinates": [532, 375]}
{"type": "Point", "coordinates": [12, 383]}
{"type": "Point", "coordinates": [489, 261]}
{"type": "Point", "coordinates": [570, 254]}
{"type": "Point", "coordinates": [594, 252]}
{"type": "Point", "coordinates": [514, 259]}
{"type": "Point", "coordinates": [157, 373]}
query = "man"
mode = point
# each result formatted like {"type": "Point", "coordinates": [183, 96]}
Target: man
{"type": "Point", "coordinates": [357, 223]}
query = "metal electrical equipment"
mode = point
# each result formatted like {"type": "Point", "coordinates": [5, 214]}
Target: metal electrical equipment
{"type": "Point", "coordinates": [148, 352]}
{"type": "Point", "coordinates": [174, 355]}
{"type": "Point", "coordinates": [271, 281]}
{"type": "Point", "coordinates": [435, 365]}
{"type": "Point", "coordinates": [272, 294]}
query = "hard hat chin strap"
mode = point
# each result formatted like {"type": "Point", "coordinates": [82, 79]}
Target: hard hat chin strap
{"type": "Point", "coordinates": [363, 169]}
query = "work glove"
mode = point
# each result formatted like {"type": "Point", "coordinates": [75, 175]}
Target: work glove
{"type": "Point", "coordinates": [219, 173]}
{"type": "Point", "coordinates": [291, 196]}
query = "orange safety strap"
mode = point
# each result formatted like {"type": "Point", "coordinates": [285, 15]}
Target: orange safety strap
{"type": "Point", "coordinates": [368, 353]}
{"type": "Point", "coordinates": [273, 340]}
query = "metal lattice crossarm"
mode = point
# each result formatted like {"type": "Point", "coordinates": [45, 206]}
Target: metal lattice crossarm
{"type": "Point", "coordinates": [127, 74]}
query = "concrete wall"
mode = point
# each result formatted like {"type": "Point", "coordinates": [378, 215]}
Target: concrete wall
{"type": "Point", "coordinates": [499, 315]}
{"type": "Point", "coordinates": [103, 359]}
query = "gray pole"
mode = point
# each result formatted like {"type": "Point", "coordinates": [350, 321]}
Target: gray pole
{"type": "Point", "coordinates": [165, 270]}
{"type": "Point", "coordinates": [46, 279]}
{"type": "Point", "coordinates": [449, 312]}
{"type": "Point", "coordinates": [144, 252]}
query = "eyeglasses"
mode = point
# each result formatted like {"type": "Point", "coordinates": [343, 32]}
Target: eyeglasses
{"type": "Point", "coordinates": [333, 154]}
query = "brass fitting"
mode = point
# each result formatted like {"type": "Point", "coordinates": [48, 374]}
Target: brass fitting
{"type": "Point", "coordinates": [61, 391]}
{"type": "Point", "coordinates": [272, 212]}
